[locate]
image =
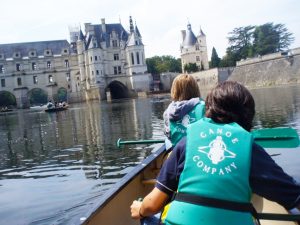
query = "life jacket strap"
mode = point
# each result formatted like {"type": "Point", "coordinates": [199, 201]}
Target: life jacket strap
{"type": "Point", "coordinates": [218, 203]}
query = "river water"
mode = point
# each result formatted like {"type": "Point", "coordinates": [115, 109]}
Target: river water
{"type": "Point", "coordinates": [55, 167]}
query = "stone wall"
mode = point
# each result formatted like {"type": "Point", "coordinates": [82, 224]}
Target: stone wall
{"type": "Point", "coordinates": [270, 70]}
{"type": "Point", "coordinates": [210, 78]}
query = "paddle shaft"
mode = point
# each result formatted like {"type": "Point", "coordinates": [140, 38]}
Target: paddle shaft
{"type": "Point", "coordinates": [269, 138]}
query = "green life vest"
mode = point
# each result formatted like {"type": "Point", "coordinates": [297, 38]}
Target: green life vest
{"type": "Point", "coordinates": [217, 165]}
{"type": "Point", "coordinates": [178, 128]}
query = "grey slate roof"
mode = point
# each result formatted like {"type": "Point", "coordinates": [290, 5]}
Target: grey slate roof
{"type": "Point", "coordinates": [101, 36]}
{"type": "Point", "coordinates": [190, 38]}
{"type": "Point", "coordinates": [24, 48]}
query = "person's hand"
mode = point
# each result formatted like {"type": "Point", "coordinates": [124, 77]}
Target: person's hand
{"type": "Point", "coordinates": [135, 209]}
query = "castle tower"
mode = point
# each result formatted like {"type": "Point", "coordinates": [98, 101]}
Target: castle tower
{"type": "Point", "coordinates": [135, 55]}
{"type": "Point", "coordinates": [193, 49]}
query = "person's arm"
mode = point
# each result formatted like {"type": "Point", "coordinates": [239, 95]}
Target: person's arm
{"type": "Point", "coordinates": [166, 185]}
{"type": "Point", "coordinates": [268, 180]}
{"type": "Point", "coordinates": [152, 204]}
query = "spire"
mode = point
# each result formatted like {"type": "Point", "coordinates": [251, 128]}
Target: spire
{"type": "Point", "coordinates": [137, 31]}
{"type": "Point", "coordinates": [131, 25]}
{"type": "Point", "coordinates": [189, 37]}
{"type": "Point", "coordinates": [81, 36]}
{"type": "Point", "coordinates": [201, 33]}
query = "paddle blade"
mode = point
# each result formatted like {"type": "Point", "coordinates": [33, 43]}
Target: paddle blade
{"type": "Point", "coordinates": [280, 137]}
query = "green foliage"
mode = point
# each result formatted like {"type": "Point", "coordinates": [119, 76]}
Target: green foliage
{"type": "Point", "coordinates": [215, 60]}
{"type": "Point", "coordinates": [191, 68]}
{"type": "Point", "coordinates": [7, 99]}
{"type": "Point", "coordinates": [62, 95]}
{"type": "Point", "coordinates": [270, 38]}
{"type": "Point", "coordinates": [240, 43]}
{"type": "Point", "coordinates": [160, 64]}
{"type": "Point", "coordinates": [37, 96]}
{"type": "Point", "coordinates": [251, 41]}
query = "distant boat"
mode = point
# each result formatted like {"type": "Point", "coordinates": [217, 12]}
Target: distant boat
{"type": "Point", "coordinates": [56, 109]}
{"type": "Point", "coordinates": [5, 110]}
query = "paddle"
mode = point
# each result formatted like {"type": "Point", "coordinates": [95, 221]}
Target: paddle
{"type": "Point", "coordinates": [279, 137]}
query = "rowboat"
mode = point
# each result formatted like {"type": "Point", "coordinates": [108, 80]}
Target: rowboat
{"type": "Point", "coordinates": [114, 207]}
{"type": "Point", "coordinates": [56, 109]}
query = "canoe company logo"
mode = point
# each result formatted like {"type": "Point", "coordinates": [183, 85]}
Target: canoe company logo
{"type": "Point", "coordinates": [186, 120]}
{"type": "Point", "coordinates": [216, 152]}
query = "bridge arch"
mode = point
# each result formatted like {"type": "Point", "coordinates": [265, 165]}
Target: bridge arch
{"type": "Point", "coordinates": [37, 96]}
{"type": "Point", "coordinates": [117, 90]}
{"type": "Point", "coordinates": [61, 95]}
{"type": "Point", "coordinates": [7, 99]}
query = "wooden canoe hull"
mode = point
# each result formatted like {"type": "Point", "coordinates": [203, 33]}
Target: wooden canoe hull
{"type": "Point", "coordinates": [114, 207]}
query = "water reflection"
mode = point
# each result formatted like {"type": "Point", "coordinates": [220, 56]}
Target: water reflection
{"type": "Point", "coordinates": [53, 167]}
{"type": "Point", "coordinates": [277, 106]}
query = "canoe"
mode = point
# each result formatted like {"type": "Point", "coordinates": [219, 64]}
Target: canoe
{"type": "Point", "coordinates": [114, 207]}
{"type": "Point", "coordinates": [56, 109]}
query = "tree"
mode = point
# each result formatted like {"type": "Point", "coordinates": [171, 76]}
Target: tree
{"type": "Point", "coordinates": [240, 43]}
{"type": "Point", "coordinates": [270, 38]}
{"type": "Point", "coordinates": [191, 67]}
{"type": "Point", "coordinates": [160, 64]}
{"type": "Point", "coordinates": [215, 60]}
{"type": "Point", "coordinates": [7, 99]}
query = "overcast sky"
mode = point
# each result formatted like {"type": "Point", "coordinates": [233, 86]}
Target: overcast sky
{"type": "Point", "coordinates": [159, 21]}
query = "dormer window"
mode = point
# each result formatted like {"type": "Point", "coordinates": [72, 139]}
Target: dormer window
{"type": "Point", "coordinates": [32, 54]}
{"type": "Point", "coordinates": [48, 65]}
{"type": "Point", "coordinates": [1, 56]}
{"type": "Point", "coordinates": [65, 51]}
{"type": "Point", "coordinates": [47, 52]}
{"type": "Point", "coordinates": [17, 55]}
{"type": "Point", "coordinates": [114, 43]}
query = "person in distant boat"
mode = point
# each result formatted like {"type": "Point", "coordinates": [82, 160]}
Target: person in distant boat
{"type": "Point", "coordinates": [50, 105]}
{"type": "Point", "coordinates": [213, 171]}
{"type": "Point", "coordinates": [186, 107]}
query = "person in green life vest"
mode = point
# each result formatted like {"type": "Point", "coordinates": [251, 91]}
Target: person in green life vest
{"type": "Point", "coordinates": [216, 168]}
{"type": "Point", "coordinates": [186, 107]}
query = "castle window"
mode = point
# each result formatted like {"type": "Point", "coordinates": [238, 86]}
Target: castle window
{"type": "Point", "coordinates": [50, 79]}
{"type": "Point", "coordinates": [1, 69]}
{"type": "Point", "coordinates": [18, 67]}
{"type": "Point", "coordinates": [35, 80]}
{"type": "Point", "coordinates": [114, 43]}
{"type": "Point", "coordinates": [48, 65]}
{"type": "Point", "coordinates": [2, 82]}
{"type": "Point", "coordinates": [197, 58]}
{"type": "Point", "coordinates": [65, 51]}
{"type": "Point", "coordinates": [68, 77]}
{"type": "Point", "coordinates": [19, 81]}
{"type": "Point", "coordinates": [1, 56]}
{"type": "Point", "coordinates": [97, 72]}
{"type": "Point", "coordinates": [92, 72]}
{"type": "Point", "coordinates": [91, 59]}
{"type": "Point", "coordinates": [119, 70]}
{"type": "Point", "coordinates": [136, 43]}
{"type": "Point", "coordinates": [66, 63]}
{"type": "Point", "coordinates": [115, 70]}
{"type": "Point", "coordinates": [116, 57]}
{"type": "Point", "coordinates": [96, 58]}
{"type": "Point", "coordinates": [138, 58]}
{"type": "Point", "coordinates": [33, 66]}
{"type": "Point", "coordinates": [197, 47]}
{"type": "Point", "coordinates": [132, 59]}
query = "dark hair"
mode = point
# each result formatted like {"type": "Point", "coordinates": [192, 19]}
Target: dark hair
{"type": "Point", "coordinates": [184, 87]}
{"type": "Point", "coordinates": [231, 102]}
